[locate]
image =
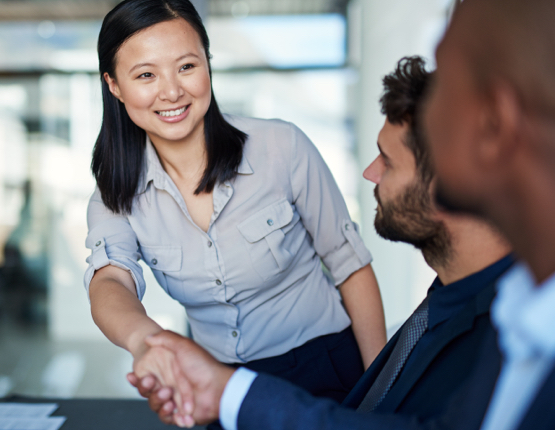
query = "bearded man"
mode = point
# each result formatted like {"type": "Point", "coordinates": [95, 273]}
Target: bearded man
{"type": "Point", "coordinates": [434, 352]}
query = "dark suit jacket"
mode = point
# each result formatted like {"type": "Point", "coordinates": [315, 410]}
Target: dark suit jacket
{"type": "Point", "coordinates": [274, 404]}
{"type": "Point", "coordinates": [425, 385]}
{"type": "Point", "coordinates": [541, 415]}
{"type": "Point", "coordinates": [420, 398]}
{"type": "Point", "coordinates": [468, 406]}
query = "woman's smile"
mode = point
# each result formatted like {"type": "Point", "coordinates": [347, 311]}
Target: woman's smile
{"type": "Point", "coordinates": [174, 115]}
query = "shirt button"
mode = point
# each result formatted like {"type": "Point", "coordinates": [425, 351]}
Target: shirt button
{"type": "Point", "coordinates": [209, 244]}
{"type": "Point", "coordinates": [218, 282]}
{"type": "Point", "coordinates": [270, 222]}
{"type": "Point", "coordinates": [347, 226]}
{"type": "Point", "coordinates": [98, 243]}
{"type": "Point", "coordinates": [234, 333]}
{"type": "Point", "coordinates": [154, 261]}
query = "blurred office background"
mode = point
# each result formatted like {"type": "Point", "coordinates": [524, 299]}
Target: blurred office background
{"type": "Point", "coordinates": [317, 63]}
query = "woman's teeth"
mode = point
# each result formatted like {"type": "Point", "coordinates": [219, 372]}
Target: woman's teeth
{"type": "Point", "coordinates": [172, 112]}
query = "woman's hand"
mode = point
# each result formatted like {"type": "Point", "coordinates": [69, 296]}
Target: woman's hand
{"type": "Point", "coordinates": [159, 399]}
{"type": "Point", "coordinates": [160, 364]}
{"type": "Point", "coordinates": [207, 376]}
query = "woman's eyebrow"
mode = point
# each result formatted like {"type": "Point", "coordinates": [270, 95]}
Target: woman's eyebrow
{"type": "Point", "coordinates": [138, 66]}
{"type": "Point", "coordinates": [190, 54]}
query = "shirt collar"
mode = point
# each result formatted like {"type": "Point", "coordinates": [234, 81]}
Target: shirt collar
{"type": "Point", "coordinates": [244, 167]}
{"type": "Point", "coordinates": [523, 312]}
{"type": "Point", "coordinates": [153, 167]}
{"type": "Point", "coordinates": [446, 300]}
{"type": "Point", "coordinates": [155, 172]}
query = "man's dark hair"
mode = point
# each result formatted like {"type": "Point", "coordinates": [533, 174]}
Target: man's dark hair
{"type": "Point", "coordinates": [402, 100]}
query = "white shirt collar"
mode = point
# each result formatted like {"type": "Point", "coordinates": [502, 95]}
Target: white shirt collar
{"type": "Point", "coordinates": [524, 314]}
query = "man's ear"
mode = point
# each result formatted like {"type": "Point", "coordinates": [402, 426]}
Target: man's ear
{"type": "Point", "coordinates": [113, 86]}
{"type": "Point", "coordinates": [500, 122]}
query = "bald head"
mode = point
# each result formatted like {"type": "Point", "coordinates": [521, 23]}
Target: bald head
{"type": "Point", "coordinates": [490, 121]}
{"type": "Point", "coordinates": [512, 40]}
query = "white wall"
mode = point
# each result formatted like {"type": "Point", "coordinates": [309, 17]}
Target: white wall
{"type": "Point", "coordinates": [381, 33]}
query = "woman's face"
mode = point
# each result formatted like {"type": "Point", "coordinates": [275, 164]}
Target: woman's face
{"type": "Point", "coordinates": [162, 79]}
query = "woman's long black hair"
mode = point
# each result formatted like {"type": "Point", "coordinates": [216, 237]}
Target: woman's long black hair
{"type": "Point", "coordinates": [118, 154]}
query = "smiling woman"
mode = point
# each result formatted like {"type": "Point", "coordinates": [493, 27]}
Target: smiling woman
{"type": "Point", "coordinates": [153, 27]}
{"type": "Point", "coordinates": [233, 215]}
{"type": "Point", "coordinates": [162, 78]}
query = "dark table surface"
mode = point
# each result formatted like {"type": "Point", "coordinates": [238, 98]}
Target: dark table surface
{"type": "Point", "coordinates": [101, 414]}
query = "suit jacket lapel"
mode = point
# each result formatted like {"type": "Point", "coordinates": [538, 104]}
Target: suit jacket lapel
{"type": "Point", "coordinates": [367, 379]}
{"type": "Point", "coordinates": [459, 324]}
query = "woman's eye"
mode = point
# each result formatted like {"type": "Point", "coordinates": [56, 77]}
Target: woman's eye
{"type": "Point", "coordinates": [187, 67]}
{"type": "Point", "coordinates": [145, 75]}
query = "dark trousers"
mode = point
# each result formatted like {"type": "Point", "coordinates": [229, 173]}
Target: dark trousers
{"type": "Point", "coordinates": [328, 366]}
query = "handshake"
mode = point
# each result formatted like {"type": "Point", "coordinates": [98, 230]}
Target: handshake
{"type": "Point", "coordinates": [182, 382]}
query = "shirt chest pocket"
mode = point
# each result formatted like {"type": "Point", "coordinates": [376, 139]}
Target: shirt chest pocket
{"type": "Point", "coordinates": [163, 260]}
{"type": "Point", "coordinates": [271, 239]}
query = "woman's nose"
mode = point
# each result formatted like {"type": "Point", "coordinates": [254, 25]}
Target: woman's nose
{"type": "Point", "coordinates": [170, 89]}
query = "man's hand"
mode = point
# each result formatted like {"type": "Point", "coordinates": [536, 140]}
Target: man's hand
{"type": "Point", "coordinates": [206, 376]}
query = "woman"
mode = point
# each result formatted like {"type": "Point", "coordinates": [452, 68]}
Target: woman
{"type": "Point", "coordinates": [231, 214]}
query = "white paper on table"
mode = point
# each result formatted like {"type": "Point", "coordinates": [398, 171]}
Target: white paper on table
{"type": "Point", "coordinates": [26, 410]}
{"type": "Point", "coordinates": [51, 423]}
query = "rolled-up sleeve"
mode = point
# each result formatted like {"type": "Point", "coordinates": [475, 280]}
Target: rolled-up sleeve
{"type": "Point", "coordinates": [324, 212]}
{"type": "Point", "coordinates": [112, 241]}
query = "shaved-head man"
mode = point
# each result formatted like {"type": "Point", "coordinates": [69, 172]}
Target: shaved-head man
{"type": "Point", "coordinates": [491, 126]}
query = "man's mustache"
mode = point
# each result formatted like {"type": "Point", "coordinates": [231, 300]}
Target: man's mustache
{"type": "Point", "coordinates": [377, 195]}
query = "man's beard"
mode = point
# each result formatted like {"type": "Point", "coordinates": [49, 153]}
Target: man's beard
{"type": "Point", "coordinates": [408, 218]}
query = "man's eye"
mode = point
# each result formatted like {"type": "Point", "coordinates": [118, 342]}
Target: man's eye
{"type": "Point", "coordinates": [384, 161]}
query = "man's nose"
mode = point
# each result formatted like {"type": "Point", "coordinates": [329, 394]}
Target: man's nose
{"type": "Point", "coordinates": [374, 171]}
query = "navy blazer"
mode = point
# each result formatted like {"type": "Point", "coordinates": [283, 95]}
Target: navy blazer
{"type": "Point", "coordinates": [468, 406]}
{"type": "Point", "coordinates": [443, 387]}
{"type": "Point", "coordinates": [275, 404]}
{"type": "Point", "coordinates": [541, 414]}
{"type": "Point", "coordinates": [426, 384]}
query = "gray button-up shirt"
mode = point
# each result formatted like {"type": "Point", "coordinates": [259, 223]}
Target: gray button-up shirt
{"type": "Point", "coordinates": [253, 285]}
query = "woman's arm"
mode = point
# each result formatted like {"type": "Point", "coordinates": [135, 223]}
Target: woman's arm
{"type": "Point", "coordinates": [362, 300]}
{"type": "Point", "coordinates": [336, 240]}
{"type": "Point", "coordinates": [119, 314]}
{"type": "Point", "coordinates": [117, 311]}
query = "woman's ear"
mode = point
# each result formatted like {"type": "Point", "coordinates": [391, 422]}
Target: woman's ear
{"type": "Point", "coordinates": [113, 86]}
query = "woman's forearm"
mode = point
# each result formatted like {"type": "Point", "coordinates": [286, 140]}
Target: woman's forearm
{"type": "Point", "coordinates": [117, 311]}
{"type": "Point", "coordinates": [362, 300]}
{"type": "Point", "coordinates": [122, 318]}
